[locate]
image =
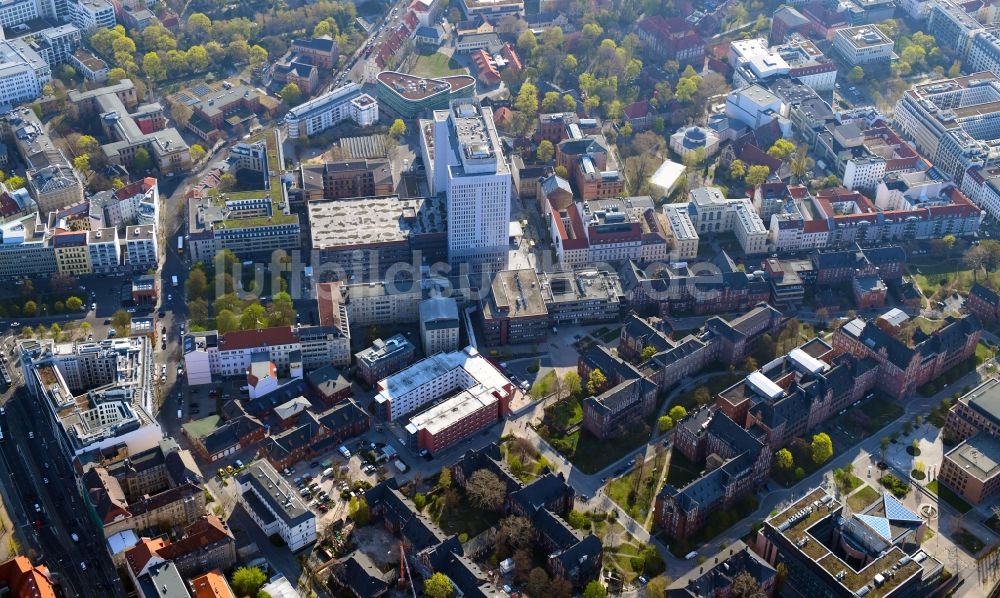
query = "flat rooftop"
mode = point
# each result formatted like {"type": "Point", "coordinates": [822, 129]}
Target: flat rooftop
{"type": "Point", "coordinates": [978, 456]}
{"type": "Point", "coordinates": [415, 88]}
{"type": "Point", "coordinates": [439, 365]}
{"type": "Point", "coordinates": [451, 411]}
{"type": "Point", "coordinates": [985, 399]}
{"type": "Point", "coordinates": [374, 220]}
{"type": "Point", "coordinates": [864, 36]}
{"type": "Point", "coordinates": [516, 293]}
{"type": "Point", "coordinates": [794, 523]}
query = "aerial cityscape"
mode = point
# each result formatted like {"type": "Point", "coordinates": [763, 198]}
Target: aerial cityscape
{"type": "Point", "coordinates": [499, 298]}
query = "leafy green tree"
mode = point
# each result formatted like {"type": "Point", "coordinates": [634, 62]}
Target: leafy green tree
{"type": "Point", "coordinates": [197, 152]}
{"type": "Point", "coordinates": [757, 175]}
{"type": "Point", "coordinates": [572, 383]}
{"type": "Point", "coordinates": [199, 26]}
{"type": "Point", "coordinates": [438, 586]}
{"type": "Point", "coordinates": [115, 75]}
{"type": "Point", "coordinates": [141, 160]}
{"type": "Point", "coordinates": [121, 320]}
{"type": "Point", "coordinates": [781, 149]}
{"type": "Point", "coordinates": [551, 101]}
{"type": "Point", "coordinates": [737, 170]}
{"type": "Point", "coordinates": [647, 353]}
{"type": "Point", "coordinates": [253, 317]}
{"type": "Point", "coordinates": [257, 55]}
{"type": "Point", "coordinates": [856, 75]}
{"type": "Point", "coordinates": [527, 43]}
{"type": "Point", "coordinates": [398, 128]}
{"type": "Point", "coordinates": [665, 423]}
{"type": "Point", "coordinates": [596, 382]}
{"type": "Point", "coordinates": [15, 182]}
{"type": "Point", "coordinates": [226, 321]}
{"type": "Point", "coordinates": [74, 303]}
{"type": "Point", "coordinates": [196, 284]}
{"type": "Point", "coordinates": [291, 94]}
{"type": "Point", "coordinates": [527, 99]}
{"type": "Point", "coordinates": [30, 309]}
{"type": "Point", "coordinates": [784, 460]}
{"type": "Point", "coordinates": [594, 589]}
{"type": "Point", "coordinates": [246, 581]}
{"type": "Point", "coordinates": [82, 163]}
{"type": "Point", "coordinates": [677, 413]}
{"type": "Point", "coordinates": [821, 448]}
{"type": "Point", "coordinates": [570, 63]}
{"type": "Point", "coordinates": [545, 151]}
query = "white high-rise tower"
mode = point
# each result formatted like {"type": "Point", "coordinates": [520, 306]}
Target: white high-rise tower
{"type": "Point", "coordinates": [469, 166]}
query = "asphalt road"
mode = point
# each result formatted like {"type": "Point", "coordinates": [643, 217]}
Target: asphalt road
{"type": "Point", "coordinates": [38, 474]}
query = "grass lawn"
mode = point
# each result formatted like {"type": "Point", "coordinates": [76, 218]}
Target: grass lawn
{"type": "Point", "coordinates": [945, 494]}
{"type": "Point", "coordinates": [983, 352]}
{"type": "Point", "coordinates": [592, 454]}
{"type": "Point", "coordinates": [466, 518]}
{"type": "Point", "coordinates": [564, 414]}
{"type": "Point", "coordinates": [635, 491]}
{"type": "Point", "coordinates": [967, 540]}
{"type": "Point", "coordinates": [862, 498]}
{"type": "Point", "coordinates": [543, 386]}
{"type": "Point", "coordinates": [682, 470]}
{"type": "Point", "coordinates": [947, 276]}
{"type": "Point", "coordinates": [437, 65]}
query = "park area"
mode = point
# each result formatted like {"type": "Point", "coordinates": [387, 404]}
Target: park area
{"type": "Point", "coordinates": [636, 491]}
{"type": "Point", "coordinates": [437, 65]}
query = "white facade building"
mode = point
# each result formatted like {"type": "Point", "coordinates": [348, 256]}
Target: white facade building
{"type": "Point", "coordinates": [93, 14]}
{"type": "Point", "coordinates": [343, 103]}
{"type": "Point", "coordinates": [754, 106]}
{"type": "Point", "coordinates": [682, 230]}
{"type": "Point", "coordinates": [23, 73]}
{"type": "Point", "coordinates": [863, 45]}
{"type": "Point", "coordinates": [468, 165]}
{"type": "Point", "coordinates": [14, 13]}
{"type": "Point", "coordinates": [275, 505]}
{"type": "Point", "coordinates": [437, 376]}
{"type": "Point", "coordinates": [711, 212]}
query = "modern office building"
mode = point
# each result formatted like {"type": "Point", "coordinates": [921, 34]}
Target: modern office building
{"type": "Point", "coordinates": [434, 377]}
{"type": "Point", "coordinates": [89, 15]}
{"type": "Point", "coordinates": [464, 160]}
{"type": "Point", "coordinates": [95, 394]}
{"type": "Point", "coordinates": [23, 73]}
{"type": "Point", "coordinates": [248, 223]}
{"type": "Point", "coordinates": [408, 96]}
{"type": "Point", "coordinates": [829, 550]}
{"type": "Point", "coordinates": [347, 102]}
{"type": "Point", "coordinates": [863, 45]}
{"type": "Point", "coordinates": [954, 122]}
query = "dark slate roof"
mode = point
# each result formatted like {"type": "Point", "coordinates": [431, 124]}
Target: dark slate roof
{"type": "Point", "coordinates": [636, 327]}
{"type": "Point", "coordinates": [387, 496]}
{"type": "Point", "coordinates": [541, 491]}
{"type": "Point", "coordinates": [359, 573]}
{"type": "Point", "coordinates": [613, 368]}
{"type": "Point", "coordinates": [467, 575]}
{"type": "Point", "coordinates": [280, 446]}
{"type": "Point", "coordinates": [584, 555]}
{"type": "Point", "coordinates": [736, 559]}
{"type": "Point", "coordinates": [422, 533]}
{"type": "Point", "coordinates": [328, 380]}
{"type": "Point", "coordinates": [229, 433]}
{"type": "Point", "coordinates": [342, 414]}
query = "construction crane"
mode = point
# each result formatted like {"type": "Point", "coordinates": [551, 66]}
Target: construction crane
{"type": "Point", "coordinates": [404, 570]}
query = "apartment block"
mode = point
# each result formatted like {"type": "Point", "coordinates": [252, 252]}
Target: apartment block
{"type": "Point", "coordinates": [275, 505]}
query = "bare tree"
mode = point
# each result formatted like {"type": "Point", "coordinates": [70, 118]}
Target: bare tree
{"type": "Point", "coordinates": [515, 532]}
{"type": "Point", "coordinates": [485, 490]}
{"type": "Point", "coordinates": [746, 586]}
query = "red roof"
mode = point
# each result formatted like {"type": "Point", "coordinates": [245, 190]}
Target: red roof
{"type": "Point", "coordinates": [264, 337]}
{"type": "Point", "coordinates": [25, 580]}
{"type": "Point", "coordinates": [141, 553]}
{"type": "Point", "coordinates": [815, 226]}
{"type": "Point", "coordinates": [637, 110]}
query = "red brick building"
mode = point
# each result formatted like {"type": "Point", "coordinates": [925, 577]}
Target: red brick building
{"type": "Point", "coordinates": [672, 39]}
{"type": "Point", "coordinates": [908, 363]}
{"type": "Point", "coordinates": [984, 302]}
{"type": "Point", "coordinates": [456, 418]}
